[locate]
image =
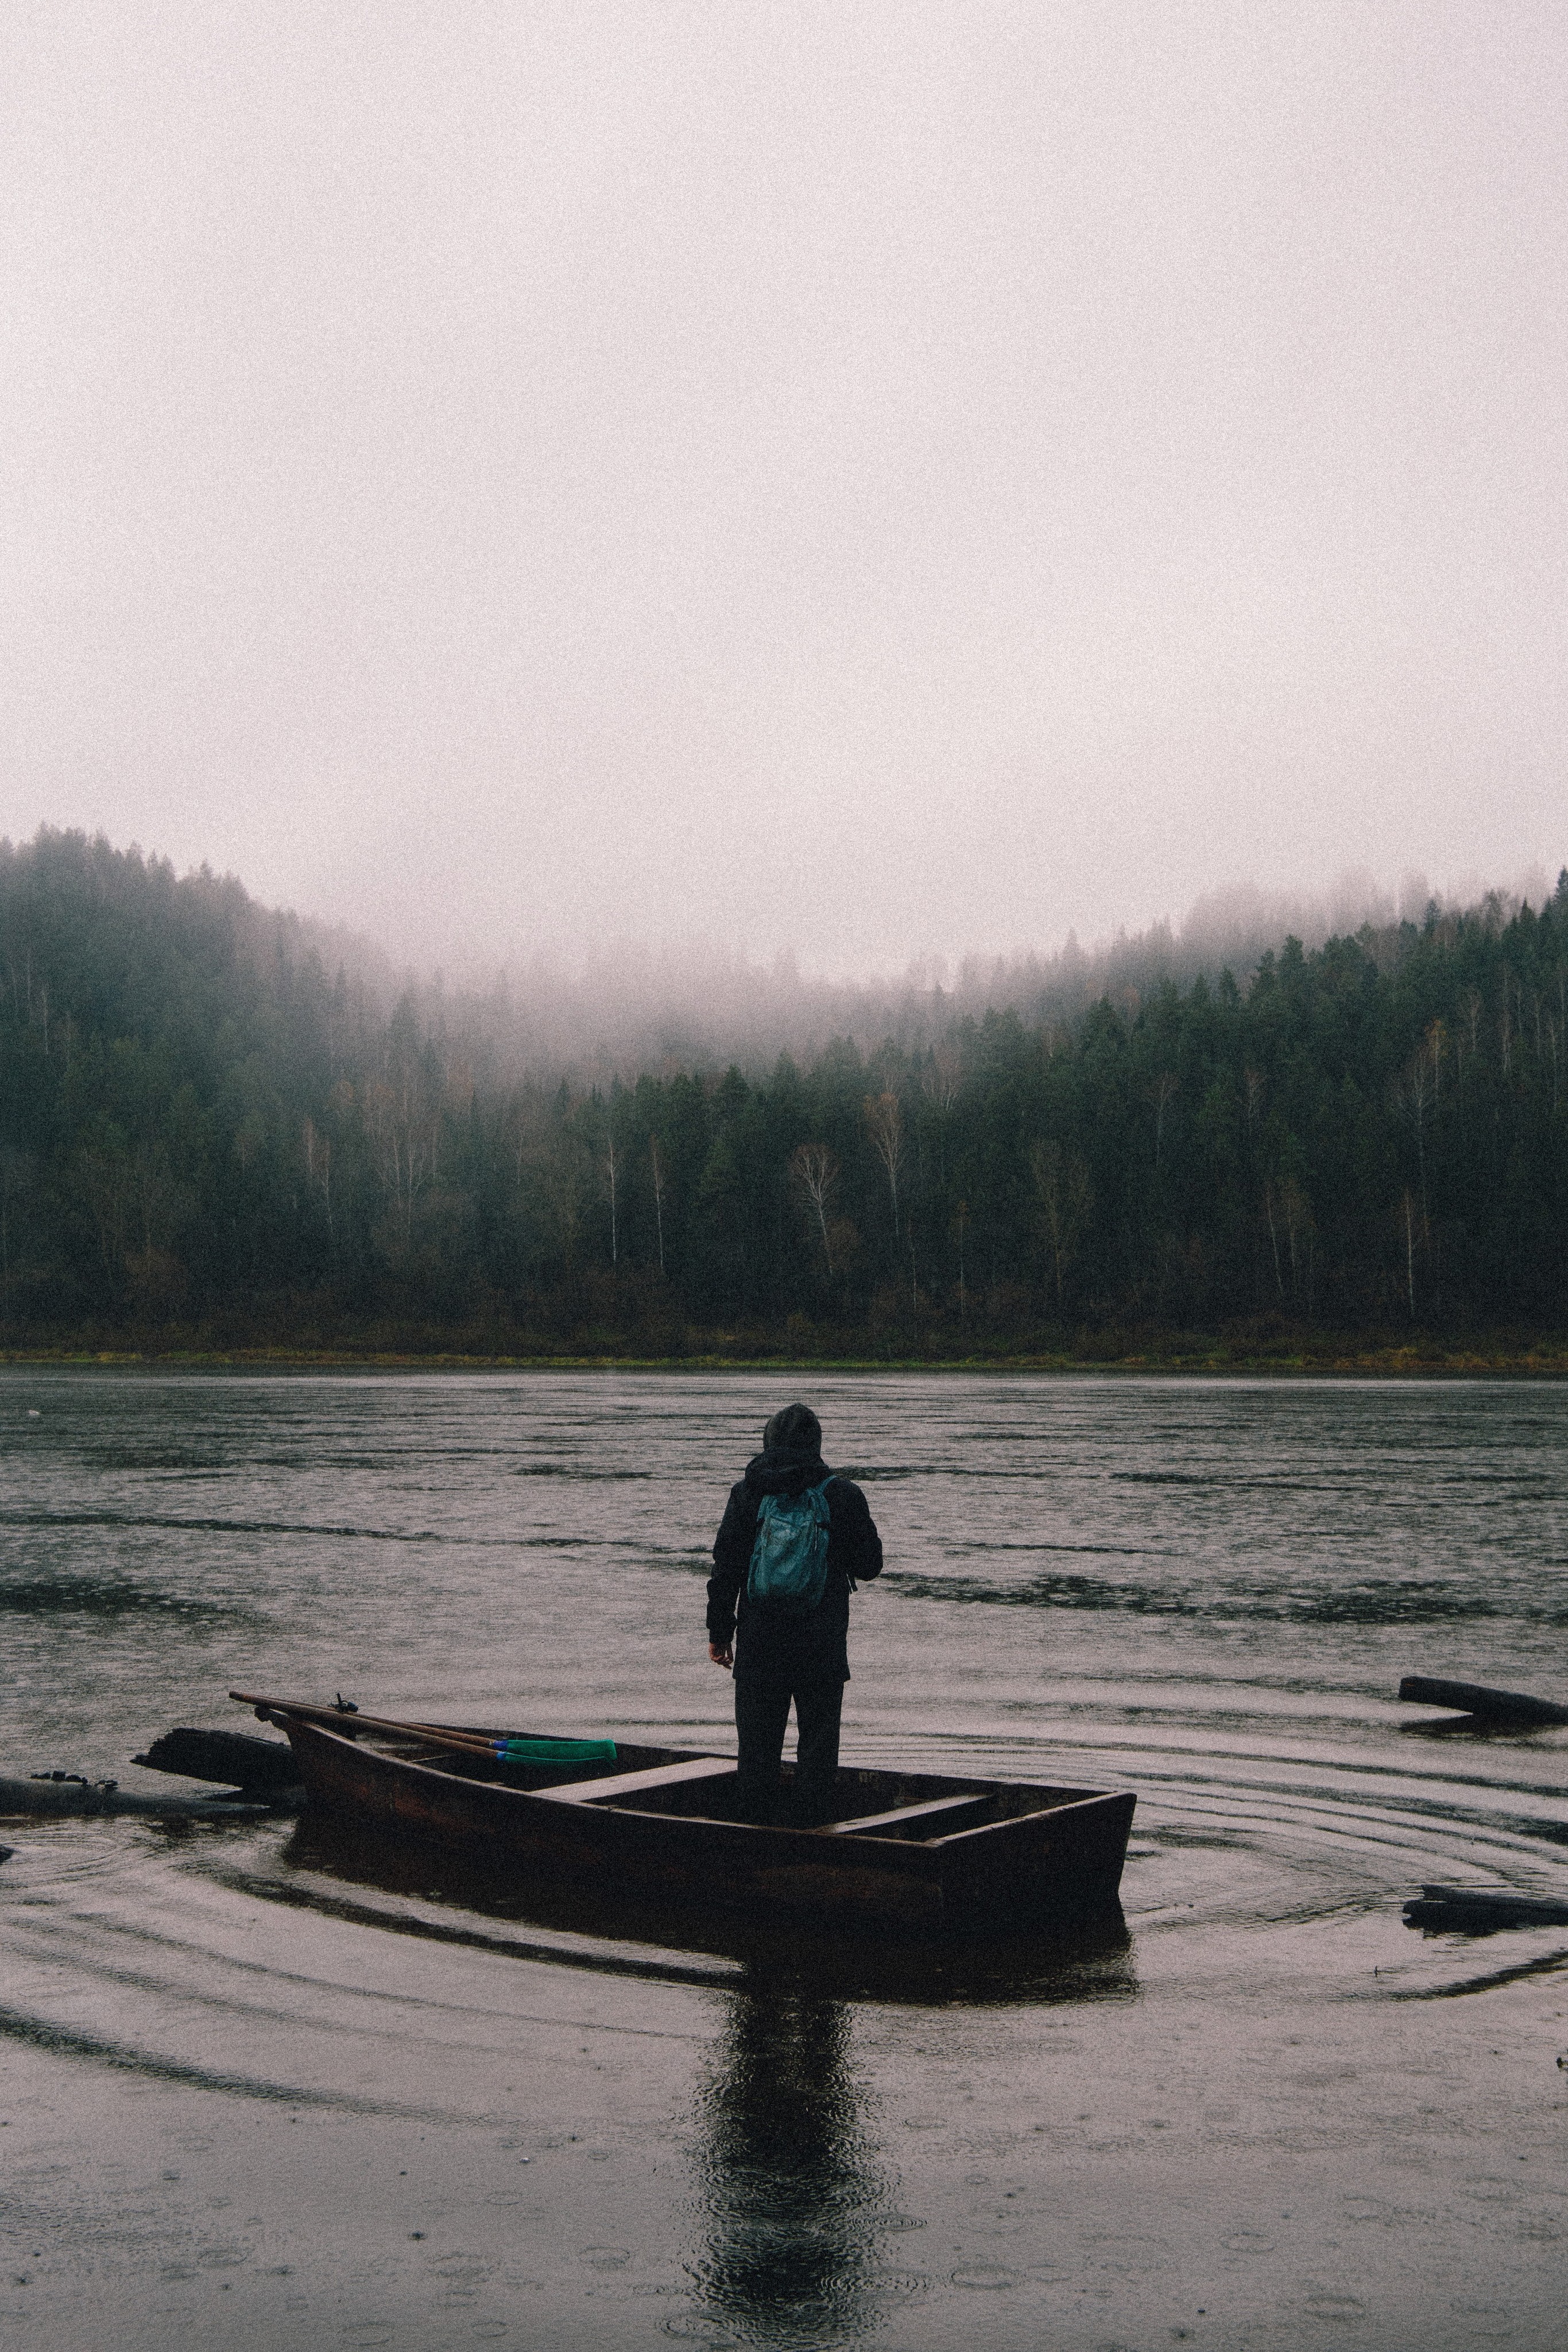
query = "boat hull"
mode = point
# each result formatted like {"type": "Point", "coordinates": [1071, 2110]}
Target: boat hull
{"type": "Point", "coordinates": [1063, 1858]}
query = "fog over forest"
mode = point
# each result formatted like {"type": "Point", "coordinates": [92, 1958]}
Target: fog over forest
{"type": "Point", "coordinates": [222, 1125]}
{"type": "Point", "coordinates": [615, 1009]}
{"type": "Point", "coordinates": [619, 1009]}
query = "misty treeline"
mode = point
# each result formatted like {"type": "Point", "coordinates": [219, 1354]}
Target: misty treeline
{"type": "Point", "coordinates": [216, 1128]}
{"type": "Point", "coordinates": [610, 1009]}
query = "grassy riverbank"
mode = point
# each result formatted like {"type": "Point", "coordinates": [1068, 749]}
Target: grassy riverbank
{"type": "Point", "coordinates": [1302, 1354]}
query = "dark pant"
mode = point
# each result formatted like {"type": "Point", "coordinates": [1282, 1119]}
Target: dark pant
{"type": "Point", "coordinates": [761, 1714]}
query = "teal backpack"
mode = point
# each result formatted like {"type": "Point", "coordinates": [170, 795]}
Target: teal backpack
{"type": "Point", "coordinates": [789, 1568]}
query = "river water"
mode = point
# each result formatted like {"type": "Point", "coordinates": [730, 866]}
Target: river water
{"type": "Point", "coordinates": [260, 2089]}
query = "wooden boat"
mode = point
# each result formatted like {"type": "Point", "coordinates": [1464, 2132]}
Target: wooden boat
{"type": "Point", "coordinates": [905, 1850]}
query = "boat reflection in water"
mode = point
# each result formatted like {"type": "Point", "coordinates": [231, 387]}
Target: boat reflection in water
{"type": "Point", "coordinates": [801, 2239]}
{"type": "Point", "coordinates": [1086, 1957]}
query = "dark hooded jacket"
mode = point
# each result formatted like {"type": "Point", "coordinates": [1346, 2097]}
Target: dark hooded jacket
{"type": "Point", "coordinates": [766, 1641]}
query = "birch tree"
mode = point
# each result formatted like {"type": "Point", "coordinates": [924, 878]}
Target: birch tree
{"type": "Point", "coordinates": [815, 1172]}
{"type": "Point", "coordinates": [657, 1157]}
{"type": "Point", "coordinates": [885, 1122]}
{"type": "Point", "coordinates": [318, 1171]}
{"type": "Point", "coordinates": [1295, 1211]}
{"type": "Point", "coordinates": [1417, 1098]}
{"type": "Point", "coordinates": [613, 1171]}
{"type": "Point", "coordinates": [939, 1083]}
{"type": "Point", "coordinates": [1166, 1086]}
{"type": "Point", "coordinates": [1061, 1182]}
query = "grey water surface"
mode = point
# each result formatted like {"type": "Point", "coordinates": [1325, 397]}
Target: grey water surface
{"type": "Point", "coordinates": [261, 2089]}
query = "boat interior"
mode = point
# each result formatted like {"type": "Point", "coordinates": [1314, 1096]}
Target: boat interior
{"type": "Point", "coordinates": [920, 1808]}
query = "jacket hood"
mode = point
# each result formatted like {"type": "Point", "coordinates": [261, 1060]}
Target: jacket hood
{"type": "Point", "coordinates": [784, 1470]}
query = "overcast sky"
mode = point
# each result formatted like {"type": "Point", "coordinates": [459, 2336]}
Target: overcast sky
{"type": "Point", "coordinates": [875, 478]}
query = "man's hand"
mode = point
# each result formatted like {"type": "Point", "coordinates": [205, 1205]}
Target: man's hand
{"type": "Point", "coordinates": [723, 1654]}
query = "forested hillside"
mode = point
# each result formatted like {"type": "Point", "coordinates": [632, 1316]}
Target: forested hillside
{"type": "Point", "coordinates": [211, 1134]}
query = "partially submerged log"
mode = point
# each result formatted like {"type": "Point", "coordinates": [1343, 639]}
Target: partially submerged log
{"type": "Point", "coordinates": [73, 1794]}
{"type": "Point", "coordinates": [256, 1775]}
{"type": "Point", "coordinates": [236, 1758]}
{"type": "Point", "coordinates": [1475, 1698]}
{"type": "Point", "coordinates": [1481, 1910]}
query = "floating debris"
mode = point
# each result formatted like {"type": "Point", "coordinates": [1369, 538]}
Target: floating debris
{"type": "Point", "coordinates": [1476, 1699]}
{"type": "Point", "coordinates": [1481, 1910]}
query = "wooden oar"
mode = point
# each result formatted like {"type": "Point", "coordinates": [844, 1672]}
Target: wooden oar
{"type": "Point", "coordinates": [466, 1743]}
{"type": "Point", "coordinates": [492, 1747]}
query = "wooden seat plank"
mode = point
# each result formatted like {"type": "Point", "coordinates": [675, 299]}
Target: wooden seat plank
{"type": "Point", "coordinates": [632, 1784]}
{"type": "Point", "coordinates": [868, 1824]}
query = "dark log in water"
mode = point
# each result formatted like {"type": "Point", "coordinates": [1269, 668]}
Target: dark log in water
{"type": "Point", "coordinates": [77, 1795]}
{"type": "Point", "coordinates": [236, 1758]}
{"type": "Point", "coordinates": [1475, 1698]}
{"type": "Point", "coordinates": [1481, 1911]}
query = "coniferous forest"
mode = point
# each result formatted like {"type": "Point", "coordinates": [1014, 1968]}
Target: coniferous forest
{"type": "Point", "coordinates": [214, 1135]}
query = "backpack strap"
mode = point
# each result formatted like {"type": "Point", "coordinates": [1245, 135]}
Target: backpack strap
{"type": "Point", "coordinates": [822, 1490]}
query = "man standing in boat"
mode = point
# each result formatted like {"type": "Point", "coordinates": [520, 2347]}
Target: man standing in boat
{"type": "Point", "coordinates": [794, 1542]}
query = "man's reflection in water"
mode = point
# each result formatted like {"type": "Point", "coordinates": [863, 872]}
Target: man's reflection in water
{"type": "Point", "coordinates": [795, 2195]}
{"type": "Point", "coordinates": [798, 2196]}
